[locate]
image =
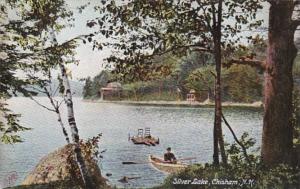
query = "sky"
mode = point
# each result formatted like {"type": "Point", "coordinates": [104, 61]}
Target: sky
{"type": "Point", "coordinates": [90, 62]}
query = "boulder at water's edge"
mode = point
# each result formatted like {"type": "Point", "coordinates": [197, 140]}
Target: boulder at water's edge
{"type": "Point", "coordinates": [60, 165]}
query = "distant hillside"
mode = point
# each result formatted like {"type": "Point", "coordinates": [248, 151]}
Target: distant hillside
{"type": "Point", "coordinates": [76, 88]}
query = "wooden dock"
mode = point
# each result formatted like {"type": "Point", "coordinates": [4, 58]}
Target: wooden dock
{"type": "Point", "coordinates": [144, 138]}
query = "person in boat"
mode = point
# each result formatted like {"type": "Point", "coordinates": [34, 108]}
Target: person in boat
{"type": "Point", "coordinates": [169, 157]}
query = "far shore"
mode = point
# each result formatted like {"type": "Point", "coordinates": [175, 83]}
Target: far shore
{"type": "Point", "coordinates": [257, 104]}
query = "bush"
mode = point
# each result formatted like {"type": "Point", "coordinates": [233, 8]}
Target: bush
{"type": "Point", "coordinates": [150, 90]}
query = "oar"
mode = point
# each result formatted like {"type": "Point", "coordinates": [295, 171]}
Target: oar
{"type": "Point", "coordinates": [189, 158]}
{"type": "Point", "coordinates": [132, 162]}
{"type": "Point", "coordinates": [142, 162]}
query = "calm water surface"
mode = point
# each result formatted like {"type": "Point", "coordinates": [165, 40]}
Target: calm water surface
{"type": "Point", "coordinates": [187, 130]}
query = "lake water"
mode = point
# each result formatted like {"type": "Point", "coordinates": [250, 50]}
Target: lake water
{"type": "Point", "coordinates": [187, 130]}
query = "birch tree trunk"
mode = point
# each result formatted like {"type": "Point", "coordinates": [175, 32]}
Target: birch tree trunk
{"type": "Point", "coordinates": [74, 130]}
{"type": "Point", "coordinates": [62, 126]}
{"type": "Point", "coordinates": [56, 109]}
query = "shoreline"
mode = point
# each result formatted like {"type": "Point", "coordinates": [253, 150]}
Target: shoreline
{"type": "Point", "coordinates": [257, 104]}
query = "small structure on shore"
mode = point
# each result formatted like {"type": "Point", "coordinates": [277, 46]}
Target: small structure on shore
{"type": "Point", "coordinates": [191, 96]}
{"type": "Point", "coordinates": [144, 138]}
{"type": "Point", "coordinates": [113, 89]}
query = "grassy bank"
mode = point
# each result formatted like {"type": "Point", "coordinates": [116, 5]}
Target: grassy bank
{"type": "Point", "coordinates": [53, 185]}
{"type": "Point", "coordinates": [233, 176]}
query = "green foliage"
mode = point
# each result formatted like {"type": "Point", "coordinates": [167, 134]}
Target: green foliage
{"type": "Point", "coordinates": [157, 80]}
{"type": "Point", "coordinates": [90, 147]}
{"type": "Point", "coordinates": [238, 169]}
{"type": "Point", "coordinates": [242, 83]}
{"type": "Point", "coordinates": [145, 29]}
{"type": "Point", "coordinates": [187, 67]}
{"type": "Point", "coordinates": [99, 81]}
{"type": "Point", "coordinates": [9, 126]}
{"type": "Point", "coordinates": [151, 91]}
{"type": "Point", "coordinates": [296, 118]}
{"type": "Point", "coordinates": [92, 88]}
{"type": "Point", "coordinates": [11, 57]}
{"type": "Point", "coordinates": [87, 89]}
{"type": "Point", "coordinates": [202, 80]}
{"type": "Point", "coordinates": [25, 49]}
{"type": "Point", "coordinates": [159, 67]}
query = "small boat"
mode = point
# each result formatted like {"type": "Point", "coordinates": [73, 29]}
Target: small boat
{"type": "Point", "coordinates": [162, 166]}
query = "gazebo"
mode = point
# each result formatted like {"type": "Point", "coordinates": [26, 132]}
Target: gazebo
{"type": "Point", "coordinates": [191, 97]}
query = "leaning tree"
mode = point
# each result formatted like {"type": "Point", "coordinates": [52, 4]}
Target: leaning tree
{"type": "Point", "coordinates": [22, 40]}
{"type": "Point", "coordinates": [32, 49]}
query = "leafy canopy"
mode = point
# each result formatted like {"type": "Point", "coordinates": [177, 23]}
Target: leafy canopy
{"type": "Point", "coordinates": [142, 29]}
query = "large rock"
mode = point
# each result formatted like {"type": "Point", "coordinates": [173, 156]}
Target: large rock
{"type": "Point", "coordinates": [60, 165]}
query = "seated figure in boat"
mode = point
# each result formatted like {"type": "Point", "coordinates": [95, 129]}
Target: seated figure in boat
{"type": "Point", "coordinates": [169, 157]}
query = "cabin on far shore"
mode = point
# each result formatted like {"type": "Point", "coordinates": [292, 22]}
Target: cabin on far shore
{"type": "Point", "coordinates": [111, 91]}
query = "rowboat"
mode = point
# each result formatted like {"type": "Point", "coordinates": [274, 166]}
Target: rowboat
{"type": "Point", "coordinates": [167, 168]}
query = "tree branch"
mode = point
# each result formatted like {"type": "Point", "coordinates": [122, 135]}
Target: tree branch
{"type": "Point", "coordinates": [37, 102]}
{"type": "Point", "coordinates": [213, 74]}
{"type": "Point", "coordinates": [36, 89]}
{"type": "Point", "coordinates": [50, 98]}
{"type": "Point", "coordinates": [58, 105]}
{"type": "Point", "coordinates": [214, 15]}
{"type": "Point", "coordinates": [237, 140]}
{"type": "Point", "coordinates": [205, 16]}
{"type": "Point", "coordinates": [54, 93]}
{"type": "Point", "coordinates": [247, 61]}
{"type": "Point", "coordinates": [195, 48]}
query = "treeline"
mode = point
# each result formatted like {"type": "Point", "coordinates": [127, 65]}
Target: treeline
{"type": "Point", "coordinates": [241, 83]}
{"type": "Point", "coordinates": [92, 86]}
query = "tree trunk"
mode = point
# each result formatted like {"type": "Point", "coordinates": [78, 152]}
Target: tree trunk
{"type": "Point", "coordinates": [277, 129]}
{"type": "Point", "coordinates": [62, 126]}
{"type": "Point", "coordinates": [218, 107]}
{"type": "Point", "coordinates": [56, 108]}
{"type": "Point", "coordinates": [215, 138]}
{"type": "Point", "coordinates": [217, 21]}
{"type": "Point", "coordinates": [75, 137]}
